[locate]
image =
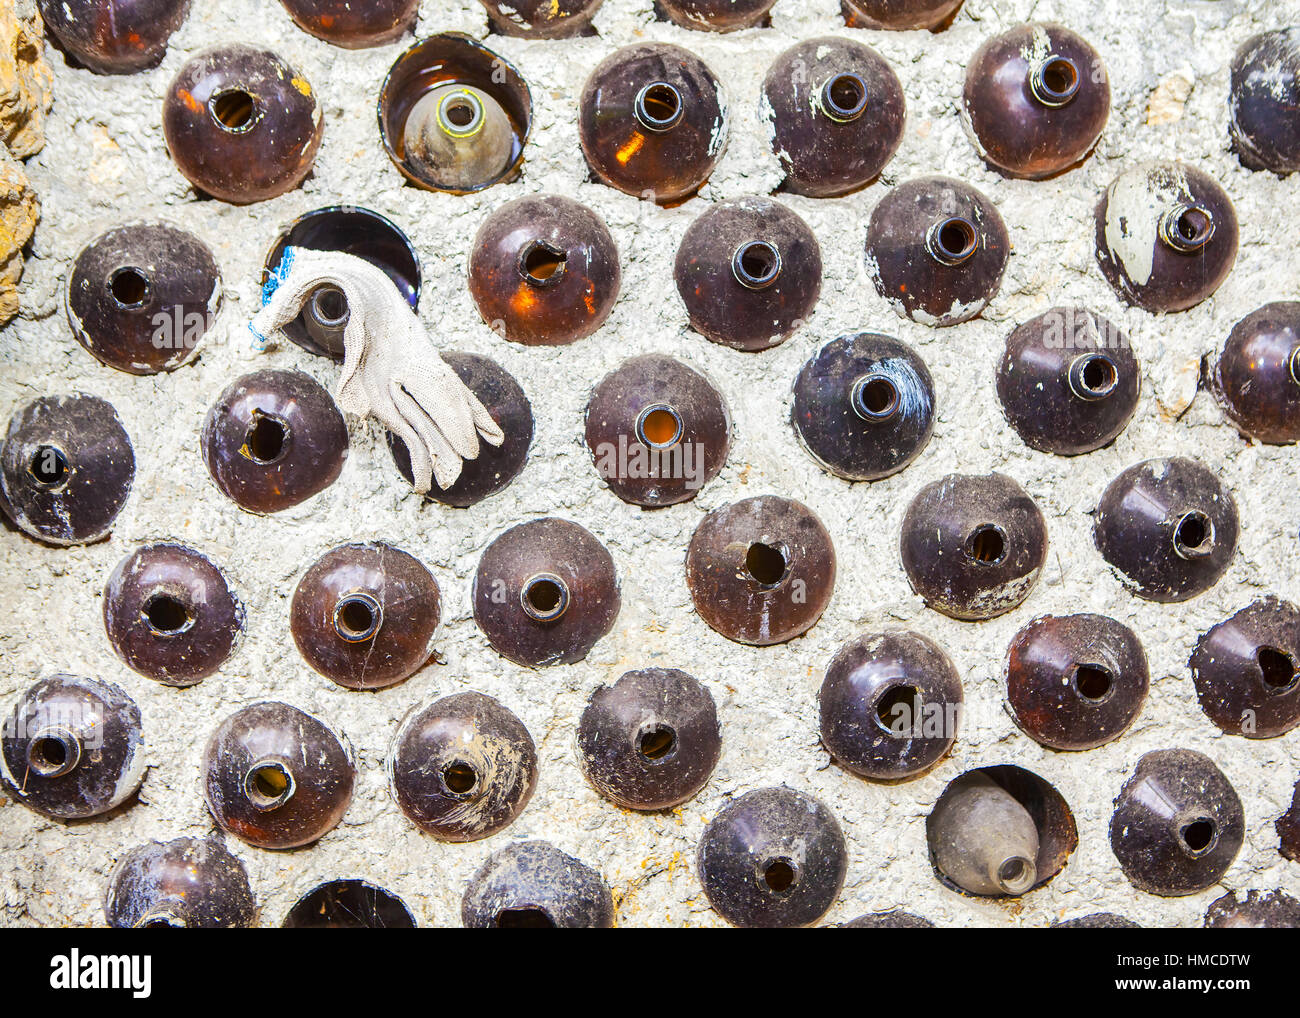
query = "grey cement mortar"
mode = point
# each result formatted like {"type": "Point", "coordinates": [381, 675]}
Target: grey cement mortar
{"type": "Point", "coordinates": [105, 162]}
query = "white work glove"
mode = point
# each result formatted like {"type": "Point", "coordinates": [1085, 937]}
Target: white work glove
{"type": "Point", "coordinates": [391, 370]}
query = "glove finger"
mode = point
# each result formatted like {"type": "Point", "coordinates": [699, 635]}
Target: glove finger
{"type": "Point", "coordinates": [421, 463]}
{"type": "Point", "coordinates": [445, 405]}
{"type": "Point", "coordinates": [485, 424]}
{"type": "Point", "coordinates": [446, 460]}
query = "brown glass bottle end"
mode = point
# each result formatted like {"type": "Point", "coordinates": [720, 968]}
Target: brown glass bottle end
{"type": "Point", "coordinates": [841, 137]}
{"type": "Point", "coordinates": [898, 15]}
{"type": "Point", "coordinates": [1256, 377]}
{"type": "Point", "coordinates": [365, 615]}
{"type": "Point", "coordinates": [66, 469]}
{"type": "Point", "coordinates": [352, 25]}
{"type": "Point", "coordinates": [1076, 682]}
{"type": "Point", "coordinates": [463, 767]}
{"type": "Point", "coordinates": [973, 546]}
{"type": "Point", "coordinates": [657, 431]}
{"type": "Point", "coordinates": [1068, 381]}
{"type": "Point", "coordinates": [544, 270]}
{"type": "Point", "coordinates": [1247, 670]}
{"type": "Point", "coordinates": [1166, 236]}
{"type": "Point", "coordinates": [749, 272]}
{"type": "Point", "coordinates": [1178, 823]}
{"type": "Point", "coordinates": [1036, 100]}
{"type": "Point", "coordinates": [761, 571]}
{"type": "Point", "coordinates": [936, 249]}
{"type": "Point", "coordinates": [1169, 526]}
{"type": "Point", "coordinates": [141, 297]}
{"type": "Point", "coordinates": [544, 592]}
{"type": "Point", "coordinates": [652, 121]}
{"type": "Point", "coordinates": [241, 124]}
{"type": "Point", "coordinates": [277, 777]}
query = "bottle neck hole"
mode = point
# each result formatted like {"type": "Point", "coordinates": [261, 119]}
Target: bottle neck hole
{"type": "Point", "coordinates": [987, 545]}
{"type": "Point", "coordinates": [266, 440]}
{"type": "Point", "coordinates": [460, 114]}
{"type": "Point", "coordinates": [1278, 669]}
{"type": "Point", "coordinates": [1093, 683]}
{"type": "Point", "coordinates": [268, 785]}
{"type": "Point", "coordinates": [659, 426]}
{"type": "Point", "coordinates": [49, 467]}
{"type": "Point", "coordinates": [766, 564]}
{"type": "Point", "coordinates": [658, 106]}
{"type": "Point", "coordinates": [844, 97]}
{"type": "Point", "coordinates": [657, 742]}
{"type": "Point", "coordinates": [460, 779]}
{"type": "Point", "coordinates": [953, 240]}
{"type": "Point", "coordinates": [544, 597]}
{"type": "Point", "coordinates": [53, 752]}
{"type": "Point", "coordinates": [779, 875]}
{"type": "Point", "coordinates": [542, 263]}
{"type": "Point", "coordinates": [1187, 228]}
{"type": "Point", "coordinates": [875, 398]}
{"type": "Point", "coordinates": [358, 616]}
{"type": "Point", "coordinates": [756, 264]}
{"type": "Point", "coordinates": [1198, 836]}
{"type": "Point", "coordinates": [1093, 376]}
{"type": "Point", "coordinates": [129, 288]}
{"type": "Point", "coordinates": [1055, 81]}
{"type": "Point", "coordinates": [1193, 535]}
{"type": "Point", "coordinates": [166, 615]}
{"type": "Point", "coordinates": [234, 110]}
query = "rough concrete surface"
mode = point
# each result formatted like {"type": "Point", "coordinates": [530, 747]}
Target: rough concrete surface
{"type": "Point", "coordinates": [105, 162]}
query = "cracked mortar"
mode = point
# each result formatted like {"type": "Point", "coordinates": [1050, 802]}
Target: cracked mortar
{"type": "Point", "coordinates": [105, 163]}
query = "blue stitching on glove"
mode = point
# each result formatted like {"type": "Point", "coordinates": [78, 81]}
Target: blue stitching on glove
{"type": "Point", "coordinates": [273, 281]}
{"type": "Point", "coordinates": [280, 274]}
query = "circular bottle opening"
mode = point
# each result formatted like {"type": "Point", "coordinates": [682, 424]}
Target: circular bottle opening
{"type": "Point", "coordinates": [49, 467]}
{"type": "Point", "coordinates": [658, 106]}
{"type": "Point", "coordinates": [1193, 535]}
{"type": "Point", "coordinates": [1055, 81]}
{"type": "Point", "coordinates": [161, 919]}
{"type": "Point", "coordinates": [460, 114]}
{"type": "Point", "coordinates": [266, 440]}
{"type": "Point", "coordinates": [129, 288]}
{"type": "Point", "coordinates": [234, 110]}
{"type": "Point", "coordinates": [166, 615]}
{"type": "Point", "coordinates": [522, 917]}
{"type": "Point", "coordinates": [756, 264]}
{"type": "Point", "coordinates": [844, 97]}
{"type": "Point", "coordinates": [1295, 365]}
{"type": "Point", "coordinates": [898, 711]}
{"type": "Point", "coordinates": [986, 545]}
{"type": "Point", "coordinates": [1093, 683]}
{"type": "Point", "coordinates": [329, 307]}
{"type": "Point", "coordinates": [1016, 875]}
{"type": "Point", "coordinates": [542, 263]}
{"type": "Point", "coordinates": [460, 779]}
{"type": "Point", "coordinates": [1278, 669]}
{"type": "Point", "coordinates": [1093, 376]}
{"type": "Point", "coordinates": [875, 398]}
{"type": "Point", "coordinates": [765, 563]}
{"type": "Point", "coordinates": [544, 597]}
{"type": "Point", "coordinates": [953, 240]}
{"type": "Point", "coordinates": [358, 616]}
{"type": "Point", "coordinates": [779, 875]}
{"type": "Point", "coordinates": [1187, 228]}
{"type": "Point", "coordinates": [656, 742]}
{"type": "Point", "coordinates": [1198, 836]}
{"type": "Point", "coordinates": [659, 426]}
{"type": "Point", "coordinates": [268, 785]}
{"type": "Point", "coordinates": [53, 752]}
{"type": "Point", "coordinates": [349, 904]}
